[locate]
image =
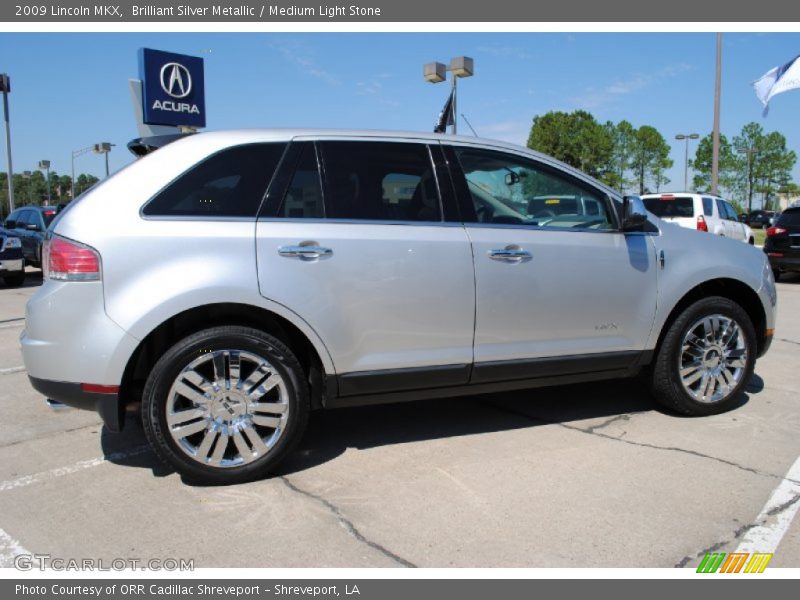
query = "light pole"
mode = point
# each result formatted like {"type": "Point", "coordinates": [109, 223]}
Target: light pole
{"type": "Point", "coordinates": [687, 137]}
{"type": "Point", "coordinates": [750, 152]}
{"type": "Point", "coordinates": [101, 148]}
{"type": "Point", "coordinates": [436, 72]}
{"type": "Point", "coordinates": [715, 132]}
{"type": "Point", "coordinates": [5, 87]}
{"type": "Point", "coordinates": [44, 165]}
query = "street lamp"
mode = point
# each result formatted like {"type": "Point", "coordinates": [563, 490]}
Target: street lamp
{"type": "Point", "coordinates": [751, 151]}
{"type": "Point", "coordinates": [5, 87]}
{"type": "Point", "coordinates": [436, 72]}
{"type": "Point", "coordinates": [687, 137]}
{"type": "Point", "coordinates": [44, 165]}
{"type": "Point", "coordinates": [101, 148]}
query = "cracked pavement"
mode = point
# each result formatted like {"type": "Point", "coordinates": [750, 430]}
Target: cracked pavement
{"type": "Point", "coordinates": [579, 476]}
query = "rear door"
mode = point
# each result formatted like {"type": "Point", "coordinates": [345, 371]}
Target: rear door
{"type": "Point", "coordinates": [735, 228]}
{"type": "Point", "coordinates": [352, 238]}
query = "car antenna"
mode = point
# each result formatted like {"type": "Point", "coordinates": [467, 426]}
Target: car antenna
{"type": "Point", "coordinates": [463, 116]}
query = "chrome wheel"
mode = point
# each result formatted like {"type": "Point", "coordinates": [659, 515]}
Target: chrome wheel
{"type": "Point", "coordinates": [713, 358]}
{"type": "Point", "coordinates": [227, 408]}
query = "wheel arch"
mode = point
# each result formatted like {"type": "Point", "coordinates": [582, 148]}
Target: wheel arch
{"type": "Point", "coordinates": [315, 361]}
{"type": "Point", "coordinates": [733, 289]}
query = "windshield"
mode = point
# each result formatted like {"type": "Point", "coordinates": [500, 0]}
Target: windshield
{"type": "Point", "coordinates": [670, 206]}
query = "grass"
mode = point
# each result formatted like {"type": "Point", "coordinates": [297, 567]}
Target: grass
{"type": "Point", "coordinates": [760, 235]}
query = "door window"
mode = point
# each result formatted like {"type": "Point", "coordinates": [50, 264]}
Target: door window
{"type": "Point", "coordinates": [508, 189]}
{"type": "Point", "coordinates": [303, 199]}
{"type": "Point", "coordinates": [383, 181]}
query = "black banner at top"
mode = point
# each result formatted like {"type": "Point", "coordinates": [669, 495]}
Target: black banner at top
{"type": "Point", "coordinates": [385, 11]}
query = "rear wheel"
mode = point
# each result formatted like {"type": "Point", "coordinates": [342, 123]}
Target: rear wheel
{"type": "Point", "coordinates": [225, 405]}
{"type": "Point", "coordinates": [15, 279]}
{"type": "Point", "coordinates": [706, 358]}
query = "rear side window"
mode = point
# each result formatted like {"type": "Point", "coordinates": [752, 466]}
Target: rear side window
{"type": "Point", "coordinates": [230, 183]}
{"type": "Point", "coordinates": [790, 218]}
{"type": "Point", "coordinates": [671, 206]}
{"type": "Point", "coordinates": [708, 206]}
{"type": "Point", "coordinates": [303, 199]}
{"type": "Point", "coordinates": [382, 181]}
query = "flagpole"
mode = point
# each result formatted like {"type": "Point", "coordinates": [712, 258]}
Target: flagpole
{"type": "Point", "coordinates": [455, 113]}
{"type": "Point", "coordinates": [715, 134]}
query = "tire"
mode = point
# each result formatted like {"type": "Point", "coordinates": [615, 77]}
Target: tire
{"type": "Point", "coordinates": [776, 274]}
{"type": "Point", "coordinates": [15, 280]}
{"type": "Point", "coordinates": [752, 241]}
{"type": "Point", "coordinates": [269, 401]}
{"type": "Point", "coordinates": [726, 364]}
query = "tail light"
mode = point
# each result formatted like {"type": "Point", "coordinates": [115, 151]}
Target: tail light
{"type": "Point", "coordinates": [775, 231]}
{"type": "Point", "coordinates": [701, 223]}
{"type": "Point", "coordinates": [65, 260]}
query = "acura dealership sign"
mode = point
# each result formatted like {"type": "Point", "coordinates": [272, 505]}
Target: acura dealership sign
{"type": "Point", "coordinates": [173, 90]}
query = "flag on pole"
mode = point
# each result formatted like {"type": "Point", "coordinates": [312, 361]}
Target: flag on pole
{"type": "Point", "coordinates": [446, 117]}
{"type": "Point", "coordinates": [777, 80]}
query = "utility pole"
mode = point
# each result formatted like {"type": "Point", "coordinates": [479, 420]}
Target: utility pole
{"type": "Point", "coordinates": [5, 85]}
{"type": "Point", "coordinates": [715, 134]}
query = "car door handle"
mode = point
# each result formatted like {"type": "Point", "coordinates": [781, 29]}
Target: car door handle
{"type": "Point", "coordinates": [307, 252]}
{"type": "Point", "coordinates": [513, 254]}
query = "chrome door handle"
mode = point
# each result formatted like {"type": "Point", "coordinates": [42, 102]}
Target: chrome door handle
{"type": "Point", "coordinates": [513, 254]}
{"type": "Point", "coordinates": [306, 252]}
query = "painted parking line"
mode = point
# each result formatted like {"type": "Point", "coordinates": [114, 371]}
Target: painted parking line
{"type": "Point", "coordinates": [26, 480]}
{"type": "Point", "coordinates": [11, 370]}
{"type": "Point", "coordinates": [776, 517]}
{"type": "Point", "coordinates": [10, 548]}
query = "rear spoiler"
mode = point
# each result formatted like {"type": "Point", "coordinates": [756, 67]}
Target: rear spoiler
{"type": "Point", "coordinates": [146, 145]}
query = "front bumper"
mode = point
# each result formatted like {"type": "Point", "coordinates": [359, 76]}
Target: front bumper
{"type": "Point", "coordinates": [111, 410]}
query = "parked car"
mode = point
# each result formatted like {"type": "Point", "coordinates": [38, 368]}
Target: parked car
{"type": "Point", "coordinates": [760, 219]}
{"type": "Point", "coordinates": [782, 243]}
{"type": "Point", "coordinates": [234, 281]}
{"type": "Point", "coordinates": [30, 223]}
{"type": "Point", "coordinates": [699, 211]}
{"type": "Point", "coordinates": [12, 265]}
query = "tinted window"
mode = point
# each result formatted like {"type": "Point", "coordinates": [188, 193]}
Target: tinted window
{"type": "Point", "coordinates": [723, 212]}
{"type": "Point", "coordinates": [24, 218]}
{"type": "Point", "coordinates": [790, 218]}
{"type": "Point", "coordinates": [303, 198]}
{"type": "Point", "coordinates": [380, 181]}
{"type": "Point", "coordinates": [708, 206]}
{"type": "Point", "coordinates": [230, 183]}
{"type": "Point", "coordinates": [668, 206]}
{"type": "Point", "coordinates": [730, 212]}
{"type": "Point", "coordinates": [508, 189]}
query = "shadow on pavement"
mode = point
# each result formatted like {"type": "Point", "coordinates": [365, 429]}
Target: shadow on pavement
{"type": "Point", "coordinates": [332, 432]}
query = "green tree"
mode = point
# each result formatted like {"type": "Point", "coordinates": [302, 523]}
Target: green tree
{"type": "Point", "coordinates": [650, 157]}
{"type": "Point", "coordinates": [575, 138]}
{"type": "Point", "coordinates": [623, 136]}
{"type": "Point", "coordinates": [728, 181]}
{"type": "Point", "coordinates": [768, 168]}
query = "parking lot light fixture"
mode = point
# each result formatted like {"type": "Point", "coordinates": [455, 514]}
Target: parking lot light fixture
{"type": "Point", "coordinates": [687, 137]}
{"type": "Point", "coordinates": [44, 165]}
{"type": "Point", "coordinates": [436, 72]}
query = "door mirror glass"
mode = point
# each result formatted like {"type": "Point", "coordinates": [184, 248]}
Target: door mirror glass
{"type": "Point", "coordinates": [10, 224]}
{"type": "Point", "coordinates": [634, 213]}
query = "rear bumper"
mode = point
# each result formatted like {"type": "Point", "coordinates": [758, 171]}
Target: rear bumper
{"type": "Point", "coordinates": [790, 261]}
{"type": "Point", "coordinates": [108, 406]}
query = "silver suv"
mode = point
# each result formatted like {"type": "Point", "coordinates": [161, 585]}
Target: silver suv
{"type": "Point", "coordinates": [232, 282]}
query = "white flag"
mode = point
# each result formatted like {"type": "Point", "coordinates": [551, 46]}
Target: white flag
{"type": "Point", "coordinates": [777, 80]}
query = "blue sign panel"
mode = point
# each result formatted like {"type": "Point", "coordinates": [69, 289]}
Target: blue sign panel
{"type": "Point", "coordinates": [173, 88]}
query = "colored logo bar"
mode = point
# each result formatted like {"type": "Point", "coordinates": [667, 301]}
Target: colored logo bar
{"type": "Point", "coordinates": [734, 562]}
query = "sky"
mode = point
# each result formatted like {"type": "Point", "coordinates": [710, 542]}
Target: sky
{"type": "Point", "coordinates": [70, 90]}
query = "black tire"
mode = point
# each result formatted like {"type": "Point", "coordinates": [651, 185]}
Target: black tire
{"type": "Point", "coordinates": [170, 365]}
{"type": "Point", "coordinates": [15, 280]}
{"type": "Point", "coordinates": [776, 274]}
{"type": "Point", "coordinates": [665, 380]}
{"type": "Point", "coordinates": [751, 241]}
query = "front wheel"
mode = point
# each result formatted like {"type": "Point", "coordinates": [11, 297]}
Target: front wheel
{"type": "Point", "coordinates": [225, 405]}
{"type": "Point", "coordinates": [706, 358]}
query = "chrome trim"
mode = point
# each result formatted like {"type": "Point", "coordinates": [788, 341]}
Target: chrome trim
{"type": "Point", "coordinates": [307, 252]}
{"type": "Point", "coordinates": [512, 254]}
{"type": "Point", "coordinates": [55, 405]}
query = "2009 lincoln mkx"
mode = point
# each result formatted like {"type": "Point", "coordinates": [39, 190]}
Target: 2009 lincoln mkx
{"type": "Point", "coordinates": [234, 281]}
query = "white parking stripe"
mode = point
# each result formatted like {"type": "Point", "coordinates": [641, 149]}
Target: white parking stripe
{"type": "Point", "coordinates": [9, 548]}
{"type": "Point", "coordinates": [776, 517]}
{"type": "Point", "coordinates": [10, 370]}
{"type": "Point", "coordinates": [26, 480]}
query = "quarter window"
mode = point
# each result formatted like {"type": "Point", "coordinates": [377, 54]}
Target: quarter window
{"type": "Point", "coordinates": [383, 181]}
{"type": "Point", "coordinates": [230, 183]}
{"type": "Point", "coordinates": [507, 189]}
{"type": "Point", "coordinates": [708, 207]}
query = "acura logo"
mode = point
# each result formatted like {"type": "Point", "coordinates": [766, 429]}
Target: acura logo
{"type": "Point", "coordinates": [176, 80]}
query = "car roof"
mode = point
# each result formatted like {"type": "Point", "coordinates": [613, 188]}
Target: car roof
{"type": "Point", "coordinates": [692, 194]}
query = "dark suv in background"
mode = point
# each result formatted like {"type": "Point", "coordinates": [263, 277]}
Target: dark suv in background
{"type": "Point", "coordinates": [30, 223]}
{"type": "Point", "coordinates": [783, 243]}
{"type": "Point", "coordinates": [12, 267]}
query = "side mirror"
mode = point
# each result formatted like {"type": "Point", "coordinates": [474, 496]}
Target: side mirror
{"type": "Point", "coordinates": [634, 213]}
{"type": "Point", "coordinates": [10, 224]}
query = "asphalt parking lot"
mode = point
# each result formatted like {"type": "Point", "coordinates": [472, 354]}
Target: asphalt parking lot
{"type": "Point", "coordinates": [579, 476]}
